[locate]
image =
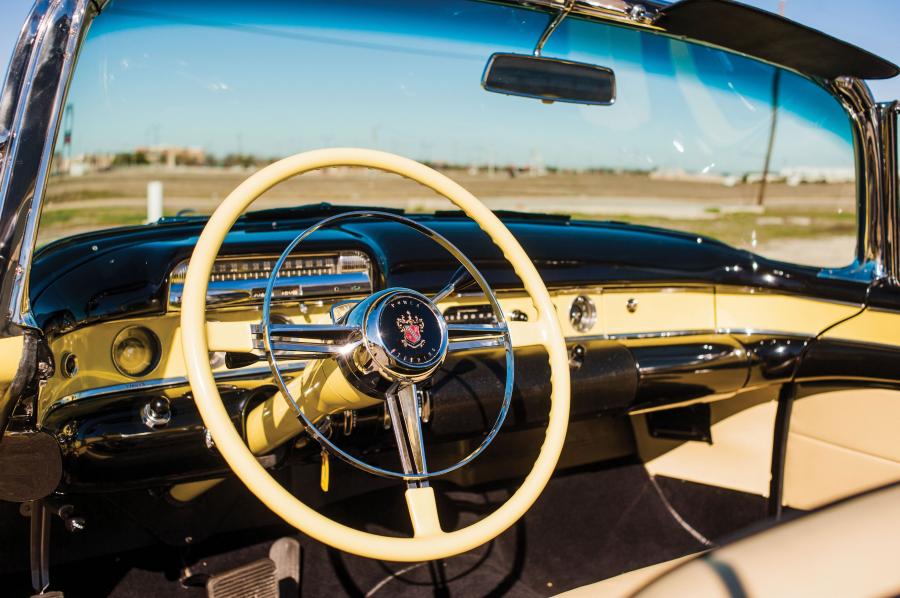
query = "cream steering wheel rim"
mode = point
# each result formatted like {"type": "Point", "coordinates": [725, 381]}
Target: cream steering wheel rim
{"type": "Point", "coordinates": [429, 542]}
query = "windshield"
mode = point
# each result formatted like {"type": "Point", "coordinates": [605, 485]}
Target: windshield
{"type": "Point", "coordinates": [173, 104]}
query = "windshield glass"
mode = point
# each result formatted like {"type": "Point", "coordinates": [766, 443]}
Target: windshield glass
{"type": "Point", "coordinates": [173, 104]}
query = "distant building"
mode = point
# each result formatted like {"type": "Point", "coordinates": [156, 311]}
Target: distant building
{"type": "Point", "coordinates": [816, 174]}
{"type": "Point", "coordinates": [173, 155]}
{"type": "Point", "coordinates": [678, 174]}
{"type": "Point", "coordinates": [81, 164]}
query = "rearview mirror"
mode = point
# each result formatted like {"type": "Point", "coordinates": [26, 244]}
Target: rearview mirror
{"type": "Point", "coordinates": [549, 79]}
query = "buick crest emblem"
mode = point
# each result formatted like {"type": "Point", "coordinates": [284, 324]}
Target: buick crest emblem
{"type": "Point", "coordinates": [411, 326]}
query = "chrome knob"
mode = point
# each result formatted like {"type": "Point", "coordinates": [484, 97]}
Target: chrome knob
{"type": "Point", "coordinates": [156, 413]}
{"type": "Point", "coordinates": [631, 305]}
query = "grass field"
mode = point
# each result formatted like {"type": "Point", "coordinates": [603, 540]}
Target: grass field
{"type": "Point", "coordinates": [813, 223]}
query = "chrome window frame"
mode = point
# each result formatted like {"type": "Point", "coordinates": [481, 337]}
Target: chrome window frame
{"type": "Point", "coordinates": [40, 71]}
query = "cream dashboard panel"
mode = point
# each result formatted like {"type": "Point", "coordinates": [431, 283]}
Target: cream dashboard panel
{"type": "Point", "coordinates": [620, 312]}
{"type": "Point", "coordinates": [766, 311]}
{"type": "Point", "coordinates": [636, 311]}
{"type": "Point", "coordinates": [631, 311]}
{"type": "Point", "coordinates": [871, 326]}
{"type": "Point", "coordinates": [660, 309]}
{"type": "Point", "coordinates": [92, 348]}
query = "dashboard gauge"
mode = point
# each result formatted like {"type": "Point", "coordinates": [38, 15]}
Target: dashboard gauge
{"type": "Point", "coordinates": [135, 351]}
{"type": "Point", "coordinates": [583, 313]}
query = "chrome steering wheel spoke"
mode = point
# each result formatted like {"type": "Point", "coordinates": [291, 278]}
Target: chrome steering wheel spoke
{"type": "Point", "coordinates": [306, 341]}
{"type": "Point", "coordinates": [467, 337]}
{"type": "Point", "coordinates": [403, 409]}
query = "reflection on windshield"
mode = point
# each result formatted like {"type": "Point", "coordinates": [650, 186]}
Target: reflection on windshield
{"type": "Point", "coordinates": [197, 99]}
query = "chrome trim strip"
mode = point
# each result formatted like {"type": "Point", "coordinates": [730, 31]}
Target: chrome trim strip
{"type": "Point", "coordinates": [254, 373]}
{"type": "Point", "coordinates": [764, 332]}
{"type": "Point", "coordinates": [660, 334]}
{"type": "Point", "coordinates": [586, 338]}
{"type": "Point", "coordinates": [684, 333]}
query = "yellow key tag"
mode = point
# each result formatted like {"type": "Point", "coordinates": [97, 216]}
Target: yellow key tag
{"type": "Point", "coordinates": [323, 482]}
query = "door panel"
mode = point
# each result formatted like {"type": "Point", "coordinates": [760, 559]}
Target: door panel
{"type": "Point", "coordinates": [841, 443]}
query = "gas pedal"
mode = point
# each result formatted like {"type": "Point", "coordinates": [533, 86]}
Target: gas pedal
{"type": "Point", "coordinates": [275, 577]}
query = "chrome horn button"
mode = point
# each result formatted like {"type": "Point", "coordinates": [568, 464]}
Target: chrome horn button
{"type": "Point", "coordinates": [405, 335]}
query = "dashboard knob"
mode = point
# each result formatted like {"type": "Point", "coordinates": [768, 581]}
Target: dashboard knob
{"type": "Point", "coordinates": [156, 413]}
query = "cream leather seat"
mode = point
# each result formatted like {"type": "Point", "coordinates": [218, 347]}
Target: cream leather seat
{"type": "Point", "coordinates": [848, 549]}
{"type": "Point", "coordinates": [628, 583]}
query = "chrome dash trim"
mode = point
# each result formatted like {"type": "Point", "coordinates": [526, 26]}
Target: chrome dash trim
{"type": "Point", "coordinates": [685, 333]}
{"type": "Point", "coordinates": [587, 338]}
{"type": "Point", "coordinates": [764, 332]}
{"type": "Point", "coordinates": [254, 373]}
{"type": "Point", "coordinates": [660, 334]}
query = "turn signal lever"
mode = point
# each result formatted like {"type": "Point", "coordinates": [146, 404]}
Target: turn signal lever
{"type": "Point", "coordinates": [460, 280]}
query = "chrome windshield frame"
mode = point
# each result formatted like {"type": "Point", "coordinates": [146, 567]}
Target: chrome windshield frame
{"type": "Point", "coordinates": [31, 102]}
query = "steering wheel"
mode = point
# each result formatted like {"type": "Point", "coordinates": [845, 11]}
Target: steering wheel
{"type": "Point", "coordinates": [384, 345]}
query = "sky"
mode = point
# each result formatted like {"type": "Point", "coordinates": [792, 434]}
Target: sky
{"type": "Point", "coordinates": [129, 81]}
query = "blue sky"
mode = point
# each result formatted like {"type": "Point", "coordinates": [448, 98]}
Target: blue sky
{"type": "Point", "coordinates": [123, 80]}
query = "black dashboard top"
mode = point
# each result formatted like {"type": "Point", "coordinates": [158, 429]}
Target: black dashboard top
{"type": "Point", "coordinates": [124, 272]}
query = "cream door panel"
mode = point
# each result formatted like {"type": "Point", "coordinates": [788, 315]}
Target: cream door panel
{"type": "Point", "coordinates": [841, 443]}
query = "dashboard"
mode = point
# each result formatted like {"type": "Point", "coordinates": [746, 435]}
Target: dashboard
{"type": "Point", "coordinates": [645, 331]}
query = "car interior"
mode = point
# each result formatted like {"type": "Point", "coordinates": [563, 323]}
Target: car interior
{"type": "Point", "coordinates": [457, 298]}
